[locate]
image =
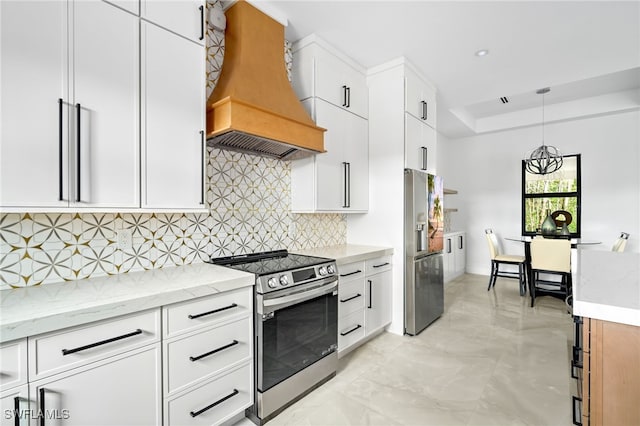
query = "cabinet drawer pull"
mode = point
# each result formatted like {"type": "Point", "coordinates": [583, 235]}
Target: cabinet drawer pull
{"type": "Point", "coordinates": [460, 244]}
{"type": "Point", "coordinates": [348, 97]}
{"type": "Point", "coordinates": [351, 331]}
{"type": "Point", "coordinates": [370, 295]}
{"type": "Point", "coordinates": [102, 342]}
{"type": "Point", "coordinates": [208, 407]}
{"type": "Point", "coordinates": [381, 265]}
{"type": "Point", "coordinates": [575, 410]}
{"type": "Point", "coordinates": [78, 158]}
{"type": "Point", "coordinates": [42, 407]}
{"type": "Point", "coordinates": [231, 306]}
{"type": "Point", "coordinates": [344, 96]}
{"type": "Point", "coordinates": [221, 348]}
{"type": "Point", "coordinates": [60, 136]}
{"type": "Point", "coordinates": [201, 23]}
{"type": "Point", "coordinates": [424, 157]}
{"type": "Point", "coordinates": [351, 273]}
{"type": "Point", "coordinates": [350, 298]}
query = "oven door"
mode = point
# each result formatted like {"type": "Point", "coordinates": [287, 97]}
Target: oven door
{"type": "Point", "coordinates": [295, 328]}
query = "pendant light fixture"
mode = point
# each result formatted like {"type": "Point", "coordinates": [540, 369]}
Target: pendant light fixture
{"type": "Point", "coordinates": [545, 159]}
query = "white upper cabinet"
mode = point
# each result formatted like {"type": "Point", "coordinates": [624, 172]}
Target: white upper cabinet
{"type": "Point", "coordinates": [70, 105]}
{"type": "Point", "coordinates": [335, 93]}
{"type": "Point", "coordinates": [34, 110]}
{"type": "Point", "coordinates": [320, 71]}
{"type": "Point", "coordinates": [420, 98]}
{"type": "Point", "coordinates": [420, 145]}
{"type": "Point", "coordinates": [173, 103]}
{"type": "Point", "coordinates": [337, 180]}
{"type": "Point", "coordinates": [184, 17]}
{"type": "Point", "coordinates": [105, 91]}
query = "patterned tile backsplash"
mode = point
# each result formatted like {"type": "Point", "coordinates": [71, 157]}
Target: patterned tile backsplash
{"type": "Point", "coordinates": [248, 201]}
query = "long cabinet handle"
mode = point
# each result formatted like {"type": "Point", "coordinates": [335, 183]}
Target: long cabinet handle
{"type": "Point", "coordinates": [448, 245]}
{"type": "Point", "coordinates": [202, 166]}
{"type": "Point", "coordinates": [348, 97]}
{"type": "Point", "coordinates": [424, 110]}
{"type": "Point", "coordinates": [201, 23]}
{"type": "Point", "coordinates": [460, 246]}
{"type": "Point", "coordinates": [424, 157]}
{"type": "Point", "coordinates": [370, 295]}
{"type": "Point", "coordinates": [221, 348]}
{"type": "Point", "coordinates": [100, 343]}
{"type": "Point", "coordinates": [42, 406]}
{"type": "Point", "coordinates": [208, 407]}
{"type": "Point", "coordinates": [344, 96]}
{"type": "Point", "coordinates": [16, 411]}
{"type": "Point", "coordinates": [351, 331]}
{"type": "Point", "coordinates": [60, 146]}
{"type": "Point", "coordinates": [350, 273]}
{"type": "Point", "coordinates": [78, 158]}
{"type": "Point", "coordinates": [231, 306]}
{"type": "Point", "coordinates": [347, 184]}
{"type": "Point", "coordinates": [350, 298]}
{"type": "Point", "coordinates": [381, 265]}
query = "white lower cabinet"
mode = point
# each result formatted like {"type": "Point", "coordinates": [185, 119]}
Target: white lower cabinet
{"type": "Point", "coordinates": [120, 390]}
{"type": "Point", "coordinates": [15, 406]}
{"type": "Point", "coordinates": [378, 295]}
{"type": "Point", "coordinates": [14, 392]}
{"type": "Point", "coordinates": [208, 358]}
{"type": "Point", "coordinates": [454, 259]}
{"type": "Point", "coordinates": [128, 371]}
{"type": "Point", "coordinates": [364, 301]}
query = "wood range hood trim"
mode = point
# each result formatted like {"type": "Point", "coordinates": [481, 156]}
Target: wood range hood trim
{"type": "Point", "coordinates": [253, 107]}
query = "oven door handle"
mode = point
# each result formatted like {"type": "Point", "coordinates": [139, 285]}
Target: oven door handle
{"type": "Point", "coordinates": [274, 304]}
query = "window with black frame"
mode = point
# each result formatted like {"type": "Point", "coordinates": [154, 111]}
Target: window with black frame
{"type": "Point", "coordinates": [557, 192]}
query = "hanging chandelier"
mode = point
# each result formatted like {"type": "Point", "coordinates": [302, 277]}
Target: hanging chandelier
{"type": "Point", "coordinates": [545, 159]}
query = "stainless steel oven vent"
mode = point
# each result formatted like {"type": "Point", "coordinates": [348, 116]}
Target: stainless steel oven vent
{"type": "Point", "coordinates": [244, 142]}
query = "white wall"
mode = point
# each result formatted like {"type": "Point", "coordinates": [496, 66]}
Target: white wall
{"type": "Point", "coordinates": [486, 171]}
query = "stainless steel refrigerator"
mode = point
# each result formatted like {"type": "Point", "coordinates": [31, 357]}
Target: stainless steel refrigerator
{"type": "Point", "coordinates": [424, 241]}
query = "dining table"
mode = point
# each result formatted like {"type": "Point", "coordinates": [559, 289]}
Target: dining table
{"type": "Point", "coordinates": [526, 239]}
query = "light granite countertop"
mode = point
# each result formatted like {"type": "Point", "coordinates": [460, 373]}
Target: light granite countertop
{"type": "Point", "coordinates": [608, 286]}
{"type": "Point", "coordinates": [33, 310]}
{"type": "Point", "coordinates": [347, 253]}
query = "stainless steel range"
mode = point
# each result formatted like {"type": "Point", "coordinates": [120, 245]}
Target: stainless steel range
{"type": "Point", "coordinates": [296, 326]}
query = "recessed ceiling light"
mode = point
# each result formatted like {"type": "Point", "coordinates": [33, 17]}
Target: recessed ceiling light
{"type": "Point", "coordinates": [482, 52]}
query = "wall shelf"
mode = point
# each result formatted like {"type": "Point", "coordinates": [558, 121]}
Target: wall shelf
{"type": "Point", "coordinates": [450, 210]}
{"type": "Point", "coordinates": [450, 191]}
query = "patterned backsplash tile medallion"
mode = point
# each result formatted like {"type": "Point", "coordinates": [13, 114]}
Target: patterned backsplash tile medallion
{"type": "Point", "coordinates": [248, 198]}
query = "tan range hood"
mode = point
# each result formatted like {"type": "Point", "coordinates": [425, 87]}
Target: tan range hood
{"type": "Point", "coordinates": [253, 108]}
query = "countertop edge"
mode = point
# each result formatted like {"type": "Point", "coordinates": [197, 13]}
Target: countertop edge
{"type": "Point", "coordinates": [348, 253]}
{"type": "Point", "coordinates": [87, 311]}
{"type": "Point", "coordinates": [610, 313]}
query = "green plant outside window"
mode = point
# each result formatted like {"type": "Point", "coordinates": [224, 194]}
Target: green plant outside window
{"type": "Point", "coordinates": [559, 191]}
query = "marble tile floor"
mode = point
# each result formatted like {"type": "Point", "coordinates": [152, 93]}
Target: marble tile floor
{"type": "Point", "coordinates": [489, 360]}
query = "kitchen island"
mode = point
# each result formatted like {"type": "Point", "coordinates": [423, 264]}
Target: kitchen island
{"type": "Point", "coordinates": [606, 294]}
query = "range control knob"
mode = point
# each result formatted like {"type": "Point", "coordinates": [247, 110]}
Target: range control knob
{"type": "Point", "coordinates": [322, 270]}
{"type": "Point", "coordinates": [272, 282]}
{"type": "Point", "coordinates": [284, 280]}
{"type": "Point", "coordinates": [331, 269]}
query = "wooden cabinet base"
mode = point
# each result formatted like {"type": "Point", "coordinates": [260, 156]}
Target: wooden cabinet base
{"type": "Point", "coordinates": [612, 373]}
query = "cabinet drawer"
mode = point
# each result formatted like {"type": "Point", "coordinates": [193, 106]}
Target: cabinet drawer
{"type": "Point", "coordinates": [13, 364]}
{"type": "Point", "coordinates": [379, 264]}
{"type": "Point", "coordinates": [231, 392]}
{"type": "Point", "coordinates": [350, 297]}
{"type": "Point", "coordinates": [206, 311]}
{"type": "Point", "coordinates": [350, 329]}
{"type": "Point", "coordinates": [196, 356]}
{"type": "Point", "coordinates": [351, 271]}
{"type": "Point", "coordinates": [57, 351]}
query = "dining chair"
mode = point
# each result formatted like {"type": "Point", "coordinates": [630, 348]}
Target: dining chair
{"type": "Point", "coordinates": [620, 243]}
{"type": "Point", "coordinates": [497, 259]}
{"type": "Point", "coordinates": [550, 256]}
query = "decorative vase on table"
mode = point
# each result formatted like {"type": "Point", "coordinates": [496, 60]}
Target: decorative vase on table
{"type": "Point", "coordinates": [565, 230]}
{"type": "Point", "coordinates": [548, 227]}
